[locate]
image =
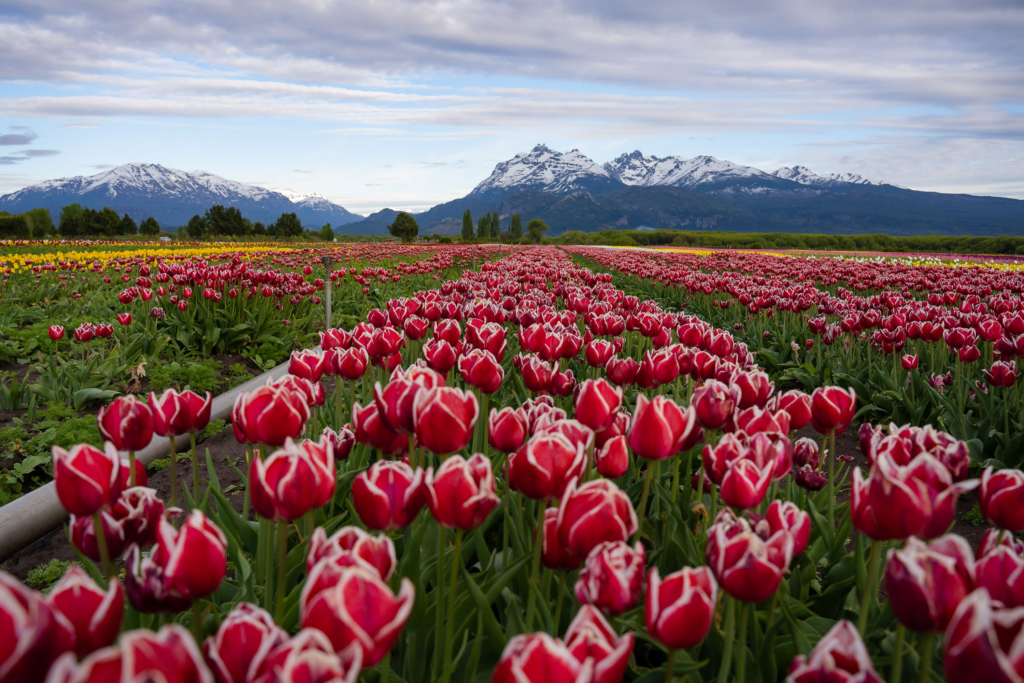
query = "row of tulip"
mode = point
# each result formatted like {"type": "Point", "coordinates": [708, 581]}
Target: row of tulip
{"type": "Point", "coordinates": [636, 504]}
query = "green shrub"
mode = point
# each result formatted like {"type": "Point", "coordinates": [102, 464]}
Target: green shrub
{"type": "Point", "coordinates": [43, 577]}
{"type": "Point", "coordinates": [200, 376]}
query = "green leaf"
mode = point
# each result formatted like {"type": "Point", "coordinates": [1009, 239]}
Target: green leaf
{"type": "Point", "coordinates": [484, 605]}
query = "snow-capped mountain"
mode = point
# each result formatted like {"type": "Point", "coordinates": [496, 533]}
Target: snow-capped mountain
{"type": "Point", "coordinates": [644, 171]}
{"type": "Point", "coordinates": [546, 170]}
{"type": "Point", "coordinates": [172, 196]}
{"type": "Point", "coordinates": [805, 176]}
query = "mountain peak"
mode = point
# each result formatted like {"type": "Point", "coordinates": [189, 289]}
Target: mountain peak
{"type": "Point", "coordinates": [546, 170]}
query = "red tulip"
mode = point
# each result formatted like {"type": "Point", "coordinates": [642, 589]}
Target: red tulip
{"type": "Point", "coordinates": [924, 585]}
{"type": "Point", "coordinates": [832, 409]}
{"type": "Point", "coordinates": [798, 405]}
{"type": "Point", "coordinates": [32, 633]}
{"type": "Point", "coordinates": [659, 427]}
{"type": "Point", "coordinates": [899, 502]}
{"type": "Point", "coordinates": [786, 516]}
{"type": "Point", "coordinates": [193, 559]}
{"type": "Point", "coordinates": [539, 658]}
{"type": "Point", "coordinates": [95, 614]}
{"type": "Point", "coordinates": [308, 656]}
{"type": "Point", "coordinates": [270, 415]}
{"type": "Point", "coordinates": [169, 655]}
{"type": "Point", "coordinates": [680, 609]}
{"type": "Point", "coordinates": [176, 413]}
{"type": "Point", "coordinates": [618, 426]}
{"type": "Point", "coordinates": [839, 657]}
{"type": "Point", "coordinates": [1001, 498]}
{"type": "Point", "coordinates": [347, 363]}
{"type": "Point", "coordinates": [308, 365]}
{"type": "Point", "coordinates": [351, 605]}
{"type": "Point", "coordinates": [141, 479]}
{"type": "Point", "coordinates": [1002, 374]}
{"type": "Point", "coordinates": [562, 383]}
{"type": "Point", "coordinates": [746, 481]}
{"type": "Point", "coordinates": [389, 495]}
{"type": "Point", "coordinates": [351, 546]}
{"type": "Point", "coordinates": [612, 459]}
{"type": "Point", "coordinates": [622, 371]}
{"type": "Point", "coordinates": [554, 554]}
{"type": "Point", "coordinates": [747, 567]}
{"type": "Point", "coordinates": [341, 441]}
{"type": "Point", "coordinates": [87, 479]}
{"type": "Point", "coordinates": [461, 492]}
{"type": "Point", "coordinates": [369, 428]}
{"type": "Point", "coordinates": [56, 332]}
{"type": "Point", "coordinates": [134, 518]}
{"type": "Point", "coordinates": [448, 330]}
{"type": "Point", "coordinates": [482, 370]}
{"type": "Point", "coordinates": [597, 403]}
{"type": "Point", "coordinates": [415, 327]}
{"type": "Point", "coordinates": [754, 420]}
{"type": "Point", "coordinates": [440, 355]}
{"type": "Point", "coordinates": [806, 452]}
{"type": "Point", "coordinates": [714, 403]}
{"type": "Point", "coordinates": [124, 318]}
{"type": "Point", "coordinates": [612, 577]}
{"type": "Point", "coordinates": [395, 401]}
{"type": "Point", "coordinates": [127, 423]}
{"type": "Point", "coordinates": [487, 337]}
{"type": "Point", "coordinates": [661, 366]}
{"type": "Point", "coordinates": [537, 374]}
{"type": "Point", "coordinates": [983, 643]}
{"type": "Point", "coordinates": [506, 429]}
{"type": "Point", "coordinates": [242, 643]}
{"type": "Point", "coordinates": [598, 352]}
{"type": "Point", "coordinates": [543, 467]}
{"type": "Point", "coordinates": [591, 636]}
{"type": "Point", "coordinates": [594, 513]}
{"type": "Point", "coordinates": [1000, 571]}
{"type": "Point", "coordinates": [284, 485]}
{"type": "Point", "coordinates": [754, 387]}
{"type": "Point", "coordinates": [909, 362]}
{"type": "Point", "coordinates": [312, 393]}
{"type": "Point", "coordinates": [444, 418]}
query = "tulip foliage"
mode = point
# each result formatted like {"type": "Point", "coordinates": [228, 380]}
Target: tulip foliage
{"type": "Point", "coordinates": [527, 474]}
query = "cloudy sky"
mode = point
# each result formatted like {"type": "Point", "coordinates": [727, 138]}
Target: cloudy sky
{"type": "Point", "coordinates": [407, 104]}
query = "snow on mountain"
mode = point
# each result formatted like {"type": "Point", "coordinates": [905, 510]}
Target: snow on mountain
{"type": "Point", "coordinates": [172, 196]}
{"type": "Point", "coordinates": [546, 170]}
{"type": "Point", "coordinates": [805, 176]}
{"type": "Point", "coordinates": [644, 171]}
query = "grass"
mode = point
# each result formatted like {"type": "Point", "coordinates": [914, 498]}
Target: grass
{"type": "Point", "coordinates": [43, 577]}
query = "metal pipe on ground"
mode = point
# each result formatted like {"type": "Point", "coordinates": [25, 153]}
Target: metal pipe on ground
{"type": "Point", "coordinates": [26, 519]}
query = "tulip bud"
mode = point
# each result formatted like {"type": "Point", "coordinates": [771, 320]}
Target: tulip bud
{"type": "Point", "coordinates": [193, 559]}
{"type": "Point", "coordinates": [659, 427]}
{"type": "Point", "coordinates": [839, 656]}
{"type": "Point", "coordinates": [284, 485]}
{"type": "Point", "coordinates": [176, 413]}
{"type": "Point", "coordinates": [594, 513]}
{"type": "Point", "coordinates": [308, 365]}
{"type": "Point", "coordinates": [983, 643]}
{"type": "Point", "coordinates": [1001, 572]}
{"type": "Point", "coordinates": [93, 613]}
{"type": "Point", "coordinates": [747, 567]}
{"type": "Point", "coordinates": [612, 459]}
{"type": "Point", "coordinates": [56, 332]}
{"type": "Point", "coordinates": [334, 601]}
{"type": "Point", "coordinates": [622, 371]}
{"type": "Point", "coordinates": [389, 495]}
{"type": "Point", "coordinates": [87, 479]}
{"type": "Point", "coordinates": [786, 516]}
{"type": "Point", "coordinates": [242, 642]}
{"type": "Point", "coordinates": [798, 405]}
{"type": "Point", "coordinates": [440, 355]}
{"type": "Point", "coordinates": [506, 429]}
{"type": "Point", "coordinates": [597, 403]}
{"type": "Point", "coordinates": [444, 418]}
{"type": "Point", "coordinates": [680, 609]}
{"type": "Point", "coordinates": [351, 546]}
{"type": "Point", "coordinates": [341, 441]}
{"type": "Point", "coordinates": [539, 657]}
{"type": "Point", "coordinates": [127, 423]}
{"type": "Point", "coordinates": [270, 415]}
{"type": "Point", "coordinates": [395, 401]}
{"type": "Point", "coordinates": [590, 636]}
{"type": "Point", "coordinates": [347, 363]}
{"type": "Point", "coordinates": [1001, 498]}
{"type": "Point", "coordinates": [545, 465]}
{"type": "Point", "coordinates": [612, 577]}
{"type": "Point", "coordinates": [909, 362]}
{"type": "Point", "coordinates": [480, 369]}
{"type": "Point", "coordinates": [714, 404]}
{"type": "Point", "coordinates": [832, 409]}
{"type": "Point", "coordinates": [461, 492]}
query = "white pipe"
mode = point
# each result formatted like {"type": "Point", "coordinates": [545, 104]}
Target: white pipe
{"type": "Point", "coordinates": [26, 519]}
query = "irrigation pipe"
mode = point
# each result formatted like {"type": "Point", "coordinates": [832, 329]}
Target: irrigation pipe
{"type": "Point", "coordinates": [27, 519]}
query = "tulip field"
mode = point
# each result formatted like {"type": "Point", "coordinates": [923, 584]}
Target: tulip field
{"type": "Point", "coordinates": [537, 465]}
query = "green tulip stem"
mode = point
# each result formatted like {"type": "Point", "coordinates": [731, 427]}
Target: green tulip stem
{"type": "Point", "coordinates": [385, 668]}
{"type": "Point", "coordinates": [448, 639]}
{"type": "Point", "coordinates": [867, 599]}
{"type": "Point", "coordinates": [741, 650]}
{"type": "Point", "coordinates": [101, 543]}
{"type": "Point", "coordinates": [927, 647]}
{"type": "Point", "coordinates": [195, 468]}
{"type": "Point", "coordinates": [338, 404]}
{"type": "Point", "coordinates": [174, 474]}
{"type": "Point", "coordinates": [197, 623]}
{"type": "Point", "coordinates": [538, 547]}
{"type": "Point", "coordinates": [643, 500]}
{"type": "Point", "coordinates": [897, 654]}
{"type": "Point", "coordinates": [669, 665]}
{"type": "Point", "coordinates": [556, 625]}
{"type": "Point", "coordinates": [131, 468]}
{"type": "Point", "coordinates": [442, 532]}
{"type": "Point", "coordinates": [282, 568]}
{"type": "Point", "coordinates": [832, 482]}
{"type": "Point", "coordinates": [245, 496]}
{"type": "Point", "coordinates": [729, 636]}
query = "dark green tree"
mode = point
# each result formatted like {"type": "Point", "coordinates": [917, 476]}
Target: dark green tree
{"type": "Point", "coordinates": [197, 227]}
{"type": "Point", "coordinates": [108, 223]}
{"type": "Point", "coordinates": [151, 228]}
{"type": "Point", "coordinates": [495, 226]}
{"type": "Point", "coordinates": [326, 233]}
{"type": "Point", "coordinates": [14, 227]}
{"type": "Point", "coordinates": [405, 227]}
{"type": "Point", "coordinates": [288, 225]}
{"type": "Point", "coordinates": [259, 230]}
{"type": "Point", "coordinates": [536, 229]}
{"type": "Point", "coordinates": [128, 225]}
{"type": "Point", "coordinates": [515, 228]}
{"type": "Point", "coordinates": [467, 226]}
{"type": "Point", "coordinates": [483, 226]}
{"type": "Point", "coordinates": [225, 221]}
{"type": "Point", "coordinates": [39, 223]}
